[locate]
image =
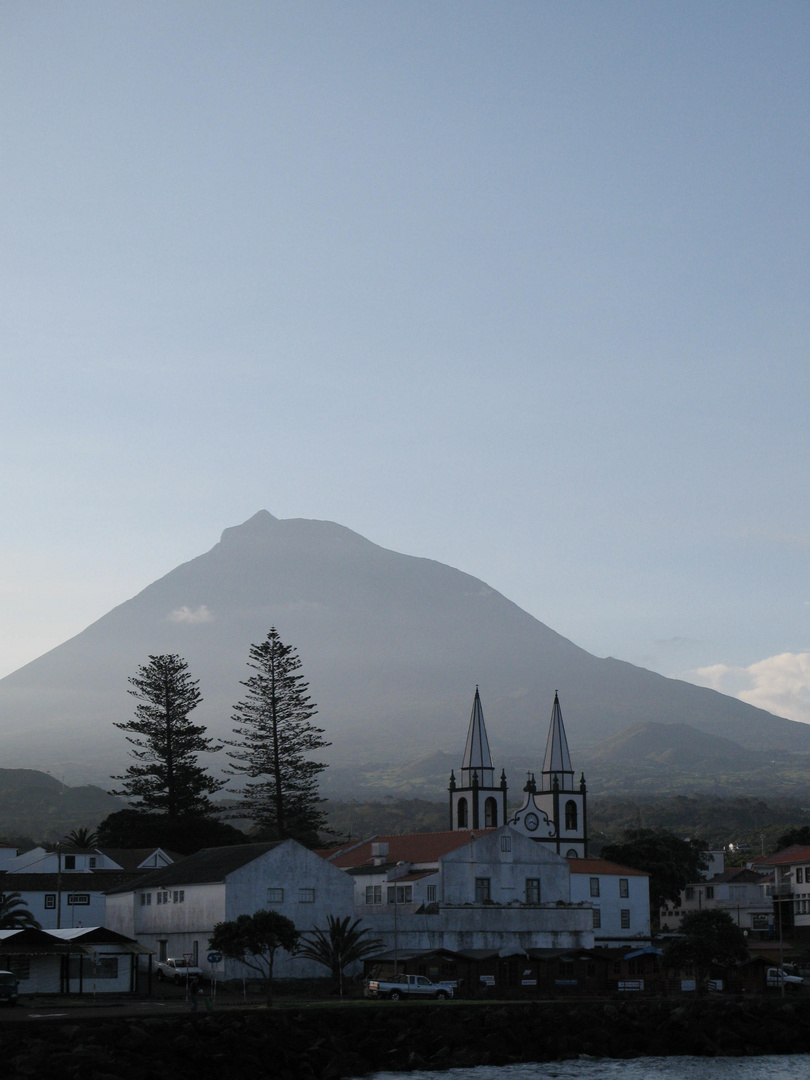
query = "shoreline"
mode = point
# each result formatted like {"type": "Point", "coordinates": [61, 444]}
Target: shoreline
{"type": "Point", "coordinates": [331, 1042]}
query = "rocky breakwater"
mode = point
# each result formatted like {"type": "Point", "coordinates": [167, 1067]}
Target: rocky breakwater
{"type": "Point", "coordinates": [328, 1043]}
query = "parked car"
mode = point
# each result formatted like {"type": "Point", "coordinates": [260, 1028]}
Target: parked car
{"type": "Point", "coordinates": [176, 970]}
{"type": "Point", "coordinates": [407, 986]}
{"type": "Point", "coordinates": [9, 988]}
{"type": "Point", "coordinates": [777, 977]}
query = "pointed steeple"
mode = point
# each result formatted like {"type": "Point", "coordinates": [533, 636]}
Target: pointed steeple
{"type": "Point", "coordinates": [477, 764]}
{"type": "Point", "coordinates": [557, 762]}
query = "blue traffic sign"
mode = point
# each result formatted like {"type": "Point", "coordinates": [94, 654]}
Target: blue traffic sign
{"type": "Point", "coordinates": [214, 957]}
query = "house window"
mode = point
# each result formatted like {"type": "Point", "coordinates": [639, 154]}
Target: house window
{"type": "Point", "coordinates": [710, 892]}
{"type": "Point", "coordinates": [179, 896]}
{"type": "Point", "coordinates": [78, 899]}
{"type": "Point", "coordinates": [275, 896]}
{"type": "Point", "coordinates": [431, 894]}
{"type": "Point", "coordinates": [490, 814]}
{"type": "Point", "coordinates": [625, 917]}
{"type": "Point", "coordinates": [594, 886]}
{"type": "Point", "coordinates": [689, 893]}
{"type": "Point", "coordinates": [624, 887]}
{"type": "Point", "coordinates": [482, 890]}
{"type": "Point", "coordinates": [163, 897]}
{"type": "Point", "coordinates": [373, 894]}
{"type": "Point", "coordinates": [92, 862]}
{"type": "Point", "coordinates": [306, 896]}
{"type": "Point", "coordinates": [163, 951]}
{"type": "Point", "coordinates": [571, 816]}
{"type": "Point", "coordinates": [532, 890]}
{"type": "Point", "coordinates": [506, 843]}
{"type": "Point", "coordinates": [70, 862]}
{"type": "Point", "coordinates": [50, 901]}
{"type": "Point", "coordinates": [461, 814]}
{"type": "Point", "coordinates": [597, 918]}
{"type": "Point", "coordinates": [400, 894]}
{"type": "Point", "coordinates": [799, 875]}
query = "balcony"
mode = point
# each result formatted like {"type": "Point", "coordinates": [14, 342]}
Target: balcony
{"type": "Point", "coordinates": [779, 891]}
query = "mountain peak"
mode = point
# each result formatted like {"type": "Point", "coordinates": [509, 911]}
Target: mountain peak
{"type": "Point", "coordinates": [255, 526]}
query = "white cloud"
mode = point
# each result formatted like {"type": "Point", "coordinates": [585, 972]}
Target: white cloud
{"type": "Point", "coordinates": [186, 615]}
{"type": "Point", "coordinates": [780, 684]}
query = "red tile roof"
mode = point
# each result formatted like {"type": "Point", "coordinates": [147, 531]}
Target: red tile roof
{"type": "Point", "coordinates": [408, 848]}
{"type": "Point", "coordinates": [602, 866]}
{"type": "Point", "coordinates": [797, 853]}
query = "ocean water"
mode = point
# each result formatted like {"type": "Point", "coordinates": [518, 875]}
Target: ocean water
{"type": "Point", "coordinates": [769, 1067]}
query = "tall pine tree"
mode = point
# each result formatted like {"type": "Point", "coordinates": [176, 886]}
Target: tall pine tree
{"type": "Point", "coordinates": [167, 778]}
{"type": "Point", "coordinates": [275, 740]}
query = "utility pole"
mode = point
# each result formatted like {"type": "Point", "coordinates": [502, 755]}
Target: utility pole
{"type": "Point", "coordinates": [59, 886]}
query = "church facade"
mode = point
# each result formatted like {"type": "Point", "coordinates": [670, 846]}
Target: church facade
{"type": "Point", "coordinates": [555, 815]}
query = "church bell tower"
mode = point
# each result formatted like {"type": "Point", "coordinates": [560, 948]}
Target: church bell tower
{"type": "Point", "coordinates": [555, 815]}
{"type": "Point", "coordinates": [476, 802]}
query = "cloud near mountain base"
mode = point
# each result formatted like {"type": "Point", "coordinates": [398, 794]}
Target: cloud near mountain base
{"type": "Point", "coordinates": [780, 684]}
{"type": "Point", "coordinates": [186, 615]}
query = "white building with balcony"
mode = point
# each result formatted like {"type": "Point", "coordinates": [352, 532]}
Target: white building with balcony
{"type": "Point", "coordinates": [739, 891]}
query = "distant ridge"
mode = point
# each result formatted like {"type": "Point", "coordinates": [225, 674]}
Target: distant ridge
{"type": "Point", "coordinates": [391, 645]}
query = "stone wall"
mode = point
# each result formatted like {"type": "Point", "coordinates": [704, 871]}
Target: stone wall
{"type": "Point", "coordinates": [328, 1043]}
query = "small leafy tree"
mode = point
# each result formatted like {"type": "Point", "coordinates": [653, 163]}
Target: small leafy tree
{"type": "Point", "coordinates": [706, 937]}
{"type": "Point", "coordinates": [338, 946]}
{"type": "Point", "coordinates": [254, 940]}
{"type": "Point", "coordinates": [82, 837]}
{"type": "Point", "coordinates": [276, 739]}
{"type": "Point", "coordinates": [800, 834]}
{"type": "Point", "coordinates": [166, 777]}
{"type": "Point", "coordinates": [671, 862]}
{"type": "Point", "coordinates": [14, 913]}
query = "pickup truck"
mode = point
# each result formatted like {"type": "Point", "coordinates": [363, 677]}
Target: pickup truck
{"type": "Point", "coordinates": [176, 970]}
{"type": "Point", "coordinates": [778, 977]}
{"type": "Point", "coordinates": [408, 986]}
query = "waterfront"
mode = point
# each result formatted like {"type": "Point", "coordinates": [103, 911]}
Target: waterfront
{"type": "Point", "coordinates": [767, 1067]}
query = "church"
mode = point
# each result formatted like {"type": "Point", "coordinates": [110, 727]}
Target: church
{"type": "Point", "coordinates": [554, 816]}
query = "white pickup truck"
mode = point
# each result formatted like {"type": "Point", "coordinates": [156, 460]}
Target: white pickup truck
{"type": "Point", "coordinates": [176, 970]}
{"type": "Point", "coordinates": [408, 986]}
{"type": "Point", "coordinates": [777, 977]}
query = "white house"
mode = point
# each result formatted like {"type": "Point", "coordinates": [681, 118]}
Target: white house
{"type": "Point", "coordinates": [491, 889]}
{"type": "Point", "coordinates": [739, 891]}
{"type": "Point", "coordinates": [789, 892]}
{"type": "Point", "coordinates": [619, 898]}
{"type": "Point", "coordinates": [67, 888]}
{"type": "Point", "coordinates": [86, 960]}
{"type": "Point", "coordinates": [173, 911]}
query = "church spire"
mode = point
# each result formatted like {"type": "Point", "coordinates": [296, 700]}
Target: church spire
{"type": "Point", "coordinates": [557, 762]}
{"type": "Point", "coordinates": [477, 758]}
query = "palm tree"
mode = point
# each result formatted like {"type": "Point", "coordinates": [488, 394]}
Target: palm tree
{"type": "Point", "coordinates": [82, 837]}
{"type": "Point", "coordinates": [338, 946]}
{"type": "Point", "coordinates": [14, 913]}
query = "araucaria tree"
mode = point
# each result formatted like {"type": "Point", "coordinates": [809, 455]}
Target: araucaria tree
{"type": "Point", "coordinates": [275, 739]}
{"type": "Point", "coordinates": [166, 777]}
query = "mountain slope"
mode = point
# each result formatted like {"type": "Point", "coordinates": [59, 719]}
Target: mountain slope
{"type": "Point", "coordinates": [391, 645]}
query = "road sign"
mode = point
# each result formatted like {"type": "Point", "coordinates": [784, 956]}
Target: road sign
{"type": "Point", "coordinates": [215, 958]}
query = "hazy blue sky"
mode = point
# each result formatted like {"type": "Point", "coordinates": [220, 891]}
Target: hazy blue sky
{"type": "Point", "coordinates": [521, 287]}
